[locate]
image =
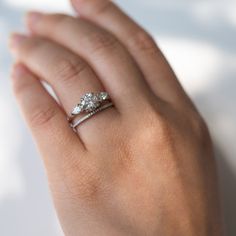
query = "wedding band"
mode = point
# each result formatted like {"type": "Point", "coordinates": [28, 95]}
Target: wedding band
{"type": "Point", "coordinates": [86, 117]}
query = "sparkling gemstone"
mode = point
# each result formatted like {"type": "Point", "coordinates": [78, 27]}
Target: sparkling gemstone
{"type": "Point", "coordinates": [77, 110]}
{"type": "Point", "coordinates": [90, 102]}
{"type": "Point", "coordinates": [103, 96]}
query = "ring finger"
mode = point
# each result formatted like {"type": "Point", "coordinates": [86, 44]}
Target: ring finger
{"type": "Point", "coordinates": [68, 74]}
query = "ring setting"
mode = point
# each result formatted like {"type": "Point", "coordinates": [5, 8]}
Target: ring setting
{"type": "Point", "coordinates": [90, 104]}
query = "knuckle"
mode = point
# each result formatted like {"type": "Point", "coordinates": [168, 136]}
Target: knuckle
{"type": "Point", "coordinates": [68, 70]}
{"type": "Point", "coordinates": [101, 41]}
{"type": "Point", "coordinates": [161, 127]}
{"type": "Point", "coordinates": [153, 126]}
{"type": "Point", "coordinates": [41, 117]}
{"type": "Point", "coordinates": [157, 125]}
{"type": "Point", "coordinates": [143, 41]}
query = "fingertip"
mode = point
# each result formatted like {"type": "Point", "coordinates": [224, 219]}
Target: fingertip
{"type": "Point", "coordinates": [19, 71]}
{"type": "Point", "coordinates": [15, 41]}
{"type": "Point", "coordinates": [32, 18]}
{"type": "Point", "coordinates": [87, 8]}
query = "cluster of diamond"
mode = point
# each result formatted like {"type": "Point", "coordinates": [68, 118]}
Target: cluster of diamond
{"type": "Point", "coordinates": [90, 102]}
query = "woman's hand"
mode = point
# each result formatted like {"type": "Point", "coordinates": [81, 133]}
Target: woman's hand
{"type": "Point", "coordinates": [143, 167]}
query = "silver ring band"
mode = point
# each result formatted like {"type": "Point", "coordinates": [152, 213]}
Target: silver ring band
{"type": "Point", "coordinates": [102, 108]}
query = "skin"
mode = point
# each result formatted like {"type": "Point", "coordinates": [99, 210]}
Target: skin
{"type": "Point", "coordinates": [145, 166]}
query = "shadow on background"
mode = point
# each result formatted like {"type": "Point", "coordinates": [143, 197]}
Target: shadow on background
{"type": "Point", "coordinates": [32, 214]}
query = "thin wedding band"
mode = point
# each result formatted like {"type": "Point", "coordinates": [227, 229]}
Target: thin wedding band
{"type": "Point", "coordinates": [102, 108]}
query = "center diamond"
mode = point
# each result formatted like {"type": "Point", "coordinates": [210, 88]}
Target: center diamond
{"type": "Point", "coordinates": [90, 102]}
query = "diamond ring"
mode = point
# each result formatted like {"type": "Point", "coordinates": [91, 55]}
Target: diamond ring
{"type": "Point", "coordinates": [90, 103]}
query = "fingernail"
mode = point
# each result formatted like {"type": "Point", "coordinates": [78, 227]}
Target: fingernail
{"type": "Point", "coordinates": [18, 71]}
{"type": "Point", "coordinates": [16, 40]}
{"type": "Point", "coordinates": [34, 17]}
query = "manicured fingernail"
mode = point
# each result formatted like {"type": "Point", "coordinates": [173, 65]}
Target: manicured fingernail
{"type": "Point", "coordinates": [16, 40]}
{"type": "Point", "coordinates": [18, 71]}
{"type": "Point", "coordinates": [34, 17]}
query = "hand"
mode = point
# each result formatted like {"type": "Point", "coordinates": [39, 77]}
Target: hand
{"type": "Point", "coordinates": [142, 167]}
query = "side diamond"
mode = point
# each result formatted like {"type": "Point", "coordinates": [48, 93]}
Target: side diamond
{"type": "Point", "coordinates": [103, 96]}
{"type": "Point", "coordinates": [77, 110]}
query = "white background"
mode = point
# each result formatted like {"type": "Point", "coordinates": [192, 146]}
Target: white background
{"type": "Point", "coordinates": [199, 39]}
